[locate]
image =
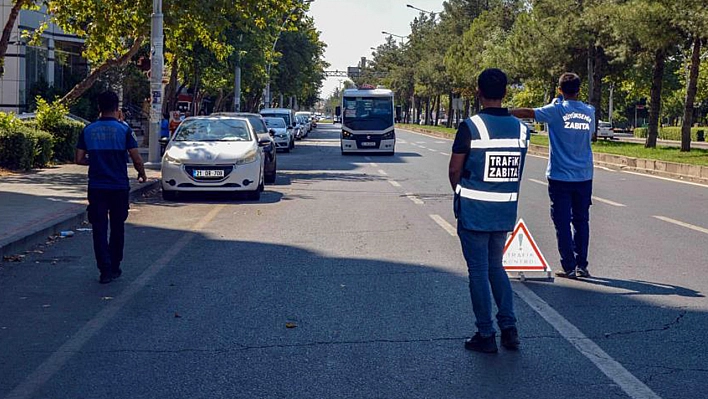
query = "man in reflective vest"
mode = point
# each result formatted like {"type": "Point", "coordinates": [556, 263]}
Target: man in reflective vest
{"type": "Point", "coordinates": [485, 171]}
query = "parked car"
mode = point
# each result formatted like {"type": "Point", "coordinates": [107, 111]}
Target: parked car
{"type": "Point", "coordinates": [303, 126]}
{"type": "Point", "coordinates": [214, 153]}
{"type": "Point", "coordinates": [286, 113]}
{"type": "Point", "coordinates": [259, 127]}
{"type": "Point", "coordinates": [284, 138]}
{"type": "Point", "coordinates": [308, 121]}
{"type": "Point", "coordinates": [604, 130]}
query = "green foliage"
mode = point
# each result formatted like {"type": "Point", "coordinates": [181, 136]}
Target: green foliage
{"type": "Point", "coordinates": [52, 118]}
{"type": "Point", "coordinates": [22, 147]}
{"type": "Point", "coordinates": [670, 133]}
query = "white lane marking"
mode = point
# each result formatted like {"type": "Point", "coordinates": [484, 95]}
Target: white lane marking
{"type": "Point", "coordinates": [439, 142]}
{"type": "Point", "coordinates": [444, 224]}
{"type": "Point", "coordinates": [608, 202]}
{"type": "Point", "coordinates": [430, 149]}
{"type": "Point", "coordinates": [420, 142]}
{"type": "Point", "coordinates": [537, 156]}
{"type": "Point", "coordinates": [61, 356]}
{"type": "Point", "coordinates": [394, 183]}
{"type": "Point", "coordinates": [682, 224]}
{"type": "Point", "coordinates": [630, 384]}
{"type": "Point", "coordinates": [367, 158]}
{"type": "Point", "coordinates": [598, 199]}
{"type": "Point", "coordinates": [383, 172]}
{"type": "Point", "coordinates": [666, 178]}
{"type": "Point", "coordinates": [414, 198]}
{"type": "Point", "coordinates": [402, 141]}
{"type": "Point", "coordinates": [374, 164]}
{"type": "Point", "coordinates": [445, 153]}
{"type": "Point", "coordinates": [423, 134]}
{"type": "Point", "coordinates": [606, 169]}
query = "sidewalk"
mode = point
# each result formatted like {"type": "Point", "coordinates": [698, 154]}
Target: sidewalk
{"type": "Point", "coordinates": [41, 203]}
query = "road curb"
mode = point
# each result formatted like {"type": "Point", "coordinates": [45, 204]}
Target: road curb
{"type": "Point", "coordinates": [672, 170]}
{"type": "Point", "coordinates": [23, 241]}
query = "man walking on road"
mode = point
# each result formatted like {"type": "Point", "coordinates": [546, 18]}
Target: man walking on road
{"type": "Point", "coordinates": [485, 171]}
{"type": "Point", "coordinates": [106, 142]}
{"type": "Point", "coordinates": [571, 124]}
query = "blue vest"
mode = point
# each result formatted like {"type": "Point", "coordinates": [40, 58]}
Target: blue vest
{"type": "Point", "coordinates": [486, 198]}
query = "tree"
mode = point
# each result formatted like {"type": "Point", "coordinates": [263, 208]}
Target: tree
{"type": "Point", "coordinates": [7, 30]}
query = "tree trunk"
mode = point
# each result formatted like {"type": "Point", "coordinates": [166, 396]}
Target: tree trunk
{"type": "Point", "coordinates": [7, 31]}
{"type": "Point", "coordinates": [467, 109]}
{"type": "Point", "coordinates": [449, 112]}
{"type": "Point", "coordinates": [655, 98]}
{"type": "Point", "coordinates": [427, 110]}
{"type": "Point", "coordinates": [690, 96]}
{"type": "Point", "coordinates": [437, 109]}
{"type": "Point", "coordinates": [595, 64]}
{"type": "Point", "coordinates": [171, 90]}
{"type": "Point", "coordinates": [88, 81]}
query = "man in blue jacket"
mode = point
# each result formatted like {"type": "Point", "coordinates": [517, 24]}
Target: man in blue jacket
{"type": "Point", "coordinates": [487, 160]}
{"type": "Point", "coordinates": [108, 142]}
{"type": "Point", "coordinates": [571, 124]}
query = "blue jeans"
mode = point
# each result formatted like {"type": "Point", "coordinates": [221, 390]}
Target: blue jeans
{"type": "Point", "coordinates": [570, 205]}
{"type": "Point", "coordinates": [483, 252]}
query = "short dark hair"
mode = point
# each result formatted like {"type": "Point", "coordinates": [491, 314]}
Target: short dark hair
{"type": "Point", "coordinates": [492, 83]}
{"type": "Point", "coordinates": [107, 101]}
{"type": "Point", "coordinates": [569, 83]}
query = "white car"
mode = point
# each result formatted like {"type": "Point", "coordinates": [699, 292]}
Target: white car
{"type": "Point", "coordinates": [214, 153]}
{"type": "Point", "coordinates": [284, 139]}
{"type": "Point", "coordinates": [604, 130]}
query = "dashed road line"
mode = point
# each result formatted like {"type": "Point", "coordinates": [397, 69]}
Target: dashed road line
{"type": "Point", "coordinates": [598, 199]}
{"type": "Point", "coordinates": [682, 224]}
{"type": "Point", "coordinates": [414, 198]}
{"type": "Point", "coordinates": [630, 384]}
{"type": "Point", "coordinates": [430, 149]}
{"type": "Point", "coordinates": [445, 153]}
{"type": "Point", "coordinates": [444, 224]}
{"type": "Point", "coordinates": [394, 183]}
{"type": "Point", "coordinates": [56, 361]}
{"type": "Point", "coordinates": [383, 172]}
{"type": "Point", "coordinates": [374, 164]}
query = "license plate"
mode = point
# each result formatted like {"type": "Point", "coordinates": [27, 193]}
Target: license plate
{"type": "Point", "coordinates": [208, 173]}
{"type": "Point", "coordinates": [368, 144]}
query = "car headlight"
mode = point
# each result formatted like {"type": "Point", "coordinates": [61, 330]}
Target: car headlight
{"type": "Point", "coordinates": [249, 157]}
{"type": "Point", "coordinates": [388, 136]}
{"type": "Point", "coordinates": [347, 135]}
{"type": "Point", "coordinates": [171, 160]}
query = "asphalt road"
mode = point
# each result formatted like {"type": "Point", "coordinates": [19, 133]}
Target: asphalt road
{"type": "Point", "coordinates": [344, 282]}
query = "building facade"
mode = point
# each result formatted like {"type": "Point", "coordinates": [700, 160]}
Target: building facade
{"type": "Point", "coordinates": [52, 67]}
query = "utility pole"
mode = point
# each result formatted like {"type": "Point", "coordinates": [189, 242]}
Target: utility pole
{"type": "Point", "coordinates": [612, 91]}
{"type": "Point", "coordinates": [156, 66]}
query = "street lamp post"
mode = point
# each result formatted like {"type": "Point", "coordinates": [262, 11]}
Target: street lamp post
{"type": "Point", "coordinates": [156, 69]}
{"type": "Point", "coordinates": [432, 14]}
{"type": "Point", "coordinates": [394, 35]}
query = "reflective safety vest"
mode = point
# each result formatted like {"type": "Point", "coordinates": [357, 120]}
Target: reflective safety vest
{"type": "Point", "coordinates": [486, 198]}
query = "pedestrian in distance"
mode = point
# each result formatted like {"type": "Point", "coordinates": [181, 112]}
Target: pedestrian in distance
{"type": "Point", "coordinates": [108, 142]}
{"type": "Point", "coordinates": [485, 170]}
{"type": "Point", "coordinates": [571, 124]}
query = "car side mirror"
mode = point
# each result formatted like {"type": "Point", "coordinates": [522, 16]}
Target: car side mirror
{"type": "Point", "coordinates": [164, 140]}
{"type": "Point", "coordinates": [271, 132]}
{"type": "Point", "coordinates": [263, 141]}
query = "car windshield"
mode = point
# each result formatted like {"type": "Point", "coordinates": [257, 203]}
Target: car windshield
{"type": "Point", "coordinates": [605, 124]}
{"type": "Point", "coordinates": [257, 123]}
{"type": "Point", "coordinates": [368, 113]}
{"type": "Point", "coordinates": [285, 117]}
{"type": "Point", "coordinates": [275, 123]}
{"type": "Point", "coordinates": [213, 130]}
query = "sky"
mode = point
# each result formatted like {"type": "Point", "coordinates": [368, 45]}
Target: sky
{"type": "Point", "coordinates": [351, 27]}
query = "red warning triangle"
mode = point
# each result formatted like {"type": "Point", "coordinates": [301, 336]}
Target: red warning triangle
{"type": "Point", "coordinates": [521, 252]}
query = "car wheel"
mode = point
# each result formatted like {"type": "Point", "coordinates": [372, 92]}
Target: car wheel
{"type": "Point", "coordinates": [286, 149]}
{"type": "Point", "coordinates": [254, 195]}
{"type": "Point", "coordinates": [270, 179]}
{"type": "Point", "coordinates": [169, 195]}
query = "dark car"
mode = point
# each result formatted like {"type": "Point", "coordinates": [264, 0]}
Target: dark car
{"type": "Point", "coordinates": [256, 121]}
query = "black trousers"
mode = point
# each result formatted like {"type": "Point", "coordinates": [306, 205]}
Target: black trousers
{"type": "Point", "coordinates": [108, 207]}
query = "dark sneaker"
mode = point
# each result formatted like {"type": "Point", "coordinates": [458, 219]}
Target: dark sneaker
{"type": "Point", "coordinates": [564, 274]}
{"type": "Point", "coordinates": [106, 277]}
{"type": "Point", "coordinates": [510, 338]}
{"type": "Point", "coordinates": [482, 344]}
{"type": "Point", "coordinates": [582, 272]}
{"type": "Point", "coordinates": [116, 273]}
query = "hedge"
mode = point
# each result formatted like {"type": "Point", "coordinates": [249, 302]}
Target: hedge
{"type": "Point", "coordinates": [671, 133]}
{"type": "Point", "coordinates": [23, 148]}
{"type": "Point", "coordinates": [66, 134]}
